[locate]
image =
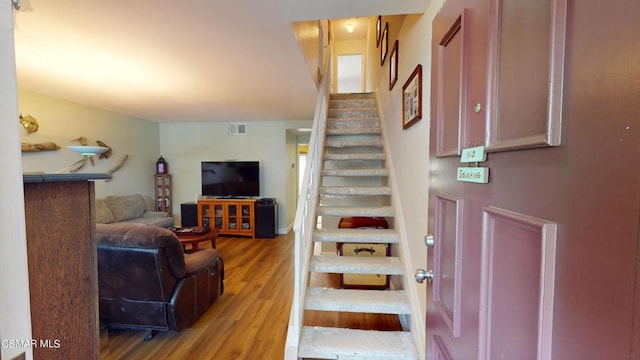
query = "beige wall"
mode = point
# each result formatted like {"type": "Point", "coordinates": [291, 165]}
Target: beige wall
{"type": "Point", "coordinates": [308, 34]}
{"type": "Point", "coordinates": [409, 149]}
{"type": "Point", "coordinates": [376, 73]}
{"type": "Point", "coordinates": [15, 316]}
{"type": "Point", "coordinates": [62, 121]}
{"type": "Point", "coordinates": [185, 145]}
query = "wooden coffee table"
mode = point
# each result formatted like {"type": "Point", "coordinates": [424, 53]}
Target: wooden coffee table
{"type": "Point", "coordinates": [196, 239]}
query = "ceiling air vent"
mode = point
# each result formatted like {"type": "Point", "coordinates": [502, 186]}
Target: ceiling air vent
{"type": "Point", "coordinates": [238, 129]}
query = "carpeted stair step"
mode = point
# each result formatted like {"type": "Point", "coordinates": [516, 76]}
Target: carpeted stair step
{"type": "Point", "coordinates": [367, 113]}
{"type": "Point", "coordinates": [362, 156]}
{"type": "Point", "coordinates": [346, 211]}
{"type": "Point", "coordinates": [386, 265]}
{"type": "Point", "coordinates": [353, 123]}
{"type": "Point", "coordinates": [355, 172]}
{"type": "Point", "coordinates": [354, 143]}
{"type": "Point", "coordinates": [353, 344]}
{"type": "Point", "coordinates": [360, 301]}
{"type": "Point", "coordinates": [352, 96]}
{"type": "Point", "coordinates": [351, 190]}
{"type": "Point", "coordinates": [367, 235]}
{"type": "Point", "coordinates": [354, 131]}
{"type": "Point", "coordinates": [352, 103]}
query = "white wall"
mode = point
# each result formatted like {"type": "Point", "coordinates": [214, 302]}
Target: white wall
{"type": "Point", "coordinates": [185, 145]}
{"type": "Point", "coordinates": [15, 316]}
{"type": "Point", "coordinates": [409, 149]}
{"type": "Point", "coordinates": [62, 121]}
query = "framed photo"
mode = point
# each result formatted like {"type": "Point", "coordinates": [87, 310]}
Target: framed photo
{"type": "Point", "coordinates": [378, 30]}
{"type": "Point", "coordinates": [384, 43]}
{"type": "Point", "coordinates": [412, 98]}
{"type": "Point", "coordinates": [393, 65]}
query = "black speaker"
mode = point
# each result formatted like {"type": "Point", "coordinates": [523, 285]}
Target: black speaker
{"type": "Point", "coordinates": [266, 219]}
{"type": "Point", "coordinates": [189, 214]}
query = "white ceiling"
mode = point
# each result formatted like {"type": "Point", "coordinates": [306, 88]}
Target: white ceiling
{"type": "Point", "coordinates": [170, 61]}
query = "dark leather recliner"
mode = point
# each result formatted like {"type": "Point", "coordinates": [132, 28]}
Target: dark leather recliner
{"type": "Point", "coordinates": [146, 281]}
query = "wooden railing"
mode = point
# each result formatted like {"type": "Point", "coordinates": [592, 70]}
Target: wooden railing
{"type": "Point", "coordinates": [305, 220]}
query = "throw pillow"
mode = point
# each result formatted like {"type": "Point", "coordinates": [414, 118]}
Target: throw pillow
{"type": "Point", "coordinates": [103, 213]}
{"type": "Point", "coordinates": [126, 207]}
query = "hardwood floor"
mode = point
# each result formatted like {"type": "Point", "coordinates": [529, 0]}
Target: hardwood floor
{"type": "Point", "coordinates": [250, 320]}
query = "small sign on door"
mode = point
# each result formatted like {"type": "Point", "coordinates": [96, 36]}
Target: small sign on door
{"type": "Point", "coordinates": [477, 174]}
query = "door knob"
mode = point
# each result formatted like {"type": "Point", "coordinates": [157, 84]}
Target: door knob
{"type": "Point", "coordinates": [422, 274]}
{"type": "Point", "coordinates": [429, 240]}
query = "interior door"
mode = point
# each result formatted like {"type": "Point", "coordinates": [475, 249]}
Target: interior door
{"type": "Point", "coordinates": [350, 69]}
{"type": "Point", "coordinates": [535, 242]}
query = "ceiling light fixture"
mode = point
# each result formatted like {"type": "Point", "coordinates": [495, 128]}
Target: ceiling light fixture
{"type": "Point", "coordinates": [350, 27]}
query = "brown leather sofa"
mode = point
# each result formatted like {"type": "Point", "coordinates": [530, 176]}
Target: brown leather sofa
{"type": "Point", "coordinates": [147, 282]}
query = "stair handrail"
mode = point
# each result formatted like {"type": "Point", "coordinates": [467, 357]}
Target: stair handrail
{"type": "Point", "coordinates": [305, 220]}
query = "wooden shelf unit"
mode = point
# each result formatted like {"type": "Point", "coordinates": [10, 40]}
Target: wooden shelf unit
{"type": "Point", "coordinates": [163, 193]}
{"type": "Point", "coordinates": [234, 217]}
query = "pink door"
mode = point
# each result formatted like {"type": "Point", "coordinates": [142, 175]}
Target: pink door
{"type": "Point", "coordinates": [536, 244]}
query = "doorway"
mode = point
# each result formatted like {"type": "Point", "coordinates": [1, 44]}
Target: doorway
{"type": "Point", "coordinates": [303, 149]}
{"type": "Point", "coordinates": [350, 73]}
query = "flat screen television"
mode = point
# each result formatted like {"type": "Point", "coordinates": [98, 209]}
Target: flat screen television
{"type": "Point", "coordinates": [230, 178]}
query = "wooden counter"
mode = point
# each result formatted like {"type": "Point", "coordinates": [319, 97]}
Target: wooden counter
{"type": "Point", "coordinates": [62, 262]}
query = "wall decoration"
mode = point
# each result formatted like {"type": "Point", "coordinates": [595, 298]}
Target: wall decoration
{"type": "Point", "coordinates": [393, 65]}
{"type": "Point", "coordinates": [88, 154]}
{"type": "Point", "coordinates": [117, 167]}
{"type": "Point", "coordinates": [412, 98]}
{"type": "Point", "coordinates": [46, 146]}
{"type": "Point", "coordinates": [378, 30]}
{"type": "Point", "coordinates": [384, 43]}
{"type": "Point", "coordinates": [29, 123]}
{"type": "Point", "coordinates": [106, 154]}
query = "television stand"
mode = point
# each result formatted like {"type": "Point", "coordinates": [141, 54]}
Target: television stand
{"type": "Point", "coordinates": [234, 217]}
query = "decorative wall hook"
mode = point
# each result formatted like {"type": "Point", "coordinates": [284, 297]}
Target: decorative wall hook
{"type": "Point", "coordinates": [29, 122]}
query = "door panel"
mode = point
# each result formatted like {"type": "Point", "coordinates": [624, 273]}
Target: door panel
{"type": "Point", "coordinates": [516, 293]}
{"type": "Point", "coordinates": [526, 48]}
{"type": "Point", "coordinates": [447, 283]}
{"type": "Point", "coordinates": [451, 111]}
{"type": "Point", "coordinates": [439, 350]}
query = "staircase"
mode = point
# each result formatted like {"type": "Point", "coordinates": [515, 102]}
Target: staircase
{"type": "Point", "coordinates": [354, 183]}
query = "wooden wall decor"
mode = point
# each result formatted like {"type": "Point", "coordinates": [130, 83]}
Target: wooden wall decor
{"type": "Point", "coordinates": [412, 98]}
{"type": "Point", "coordinates": [46, 146]}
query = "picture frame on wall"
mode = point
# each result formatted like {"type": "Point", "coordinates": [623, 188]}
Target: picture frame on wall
{"type": "Point", "coordinates": [384, 43]}
{"type": "Point", "coordinates": [412, 98]}
{"type": "Point", "coordinates": [378, 30]}
{"type": "Point", "coordinates": [393, 65]}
